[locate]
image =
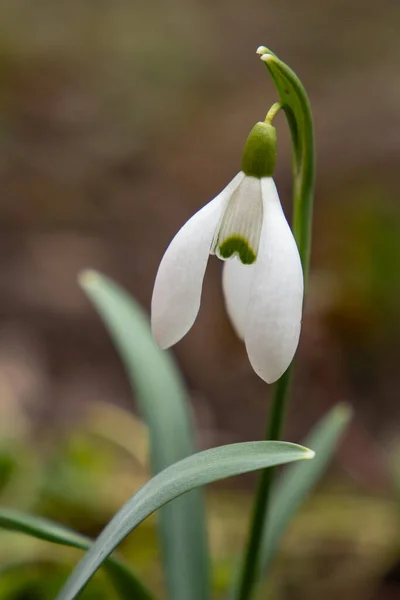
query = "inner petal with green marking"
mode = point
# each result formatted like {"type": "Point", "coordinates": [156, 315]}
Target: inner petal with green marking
{"type": "Point", "coordinates": [237, 245]}
{"type": "Point", "coordinates": [240, 228]}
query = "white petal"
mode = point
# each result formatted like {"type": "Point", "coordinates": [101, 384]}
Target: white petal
{"type": "Point", "coordinates": [179, 280]}
{"type": "Point", "coordinates": [236, 281]}
{"type": "Point", "coordinates": [276, 295]}
{"type": "Point", "coordinates": [240, 228]}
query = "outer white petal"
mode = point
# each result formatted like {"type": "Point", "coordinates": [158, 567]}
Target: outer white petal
{"type": "Point", "coordinates": [276, 296]}
{"type": "Point", "coordinates": [236, 282]}
{"type": "Point", "coordinates": [179, 280]}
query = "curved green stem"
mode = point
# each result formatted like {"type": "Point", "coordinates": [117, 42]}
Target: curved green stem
{"type": "Point", "coordinates": [295, 103]}
{"type": "Point", "coordinates": [275, 108]}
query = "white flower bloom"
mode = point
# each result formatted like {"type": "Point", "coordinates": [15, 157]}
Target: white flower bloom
{"type": "Point", "coordinates": [262, 276]}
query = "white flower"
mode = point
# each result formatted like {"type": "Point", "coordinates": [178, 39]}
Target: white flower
{"type": "Point", "coordinates": [262, 276]}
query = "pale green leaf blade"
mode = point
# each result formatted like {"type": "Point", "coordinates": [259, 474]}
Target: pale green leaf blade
{"type": "Point", "coordinates": [297, 481]}
{"type": "Point", "coordinates": [161, 397]}
{"type": "Point", "coordinates": [196, 470]}
{"type": "Point", "coordinates": [125, 582]}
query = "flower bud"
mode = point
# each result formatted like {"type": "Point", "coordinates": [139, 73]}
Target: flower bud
{"type": "Point", "coordinates": [259, 155]}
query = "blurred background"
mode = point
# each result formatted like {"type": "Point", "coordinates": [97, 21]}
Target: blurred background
{"type": "Point", "coordinates": [118, 120]}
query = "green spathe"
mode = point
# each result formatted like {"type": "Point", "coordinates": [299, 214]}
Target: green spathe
{"type": "Point", "coordinates": [259, 155]}
{"type": "Point", "coordinates": [237, 244]}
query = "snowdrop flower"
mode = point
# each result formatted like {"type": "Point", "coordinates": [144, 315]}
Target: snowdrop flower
{"type": "Point", "coordinates": [262, 276]}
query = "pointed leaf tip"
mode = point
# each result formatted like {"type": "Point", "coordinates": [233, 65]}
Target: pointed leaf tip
{"type": "Point", "coordinates": [266, 57]}
{"type": "Point", "coordinates": [87, 277]}
{"type": "Point", "coordinates": [187, 474]}
{"type": "Point", "coordinates": [161, 400]}
{"type": "Point", "coordinates": [343, 410]}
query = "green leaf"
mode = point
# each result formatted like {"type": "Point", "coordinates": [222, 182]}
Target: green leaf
{"type": "Point", "coordinates": [298, 480]}
{"type": "Point", "coordinates": [296, 105]}
{"type": "Point", "coordinates": [196, 470]}
{"type": "Point", "coordinates": [125, 582]}
{"type": "Point", "coordinates": [161, 398]}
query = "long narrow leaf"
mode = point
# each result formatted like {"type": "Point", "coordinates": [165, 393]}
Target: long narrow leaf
{"type": "Point", "coordinates": [298, 480]}
{"type": "Point", "coordinates": [161, 398]}
{"type": "Point", "coordinates": [296, 105]}
{"type": "Point", "coordinates": [196, 470]}
{"type": "Point", "coordinates": [125, 582]}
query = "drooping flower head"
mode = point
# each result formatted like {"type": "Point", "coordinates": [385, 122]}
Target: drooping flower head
{"type": "Point", "coordinates": [262, 275]}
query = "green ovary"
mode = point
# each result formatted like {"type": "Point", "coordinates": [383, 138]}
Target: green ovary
{"type": "Point", "coordinates": [240, 246]}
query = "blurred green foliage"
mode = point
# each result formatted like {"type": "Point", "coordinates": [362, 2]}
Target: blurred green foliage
{"type": "Point", "coordinates": [84, 473]}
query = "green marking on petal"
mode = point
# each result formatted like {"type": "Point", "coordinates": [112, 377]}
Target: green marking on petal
{"type": "Point", "coordinates": [240, 246]}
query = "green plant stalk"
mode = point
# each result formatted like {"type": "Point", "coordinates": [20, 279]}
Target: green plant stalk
{"type": "Point", "coordinates": [295, 103]}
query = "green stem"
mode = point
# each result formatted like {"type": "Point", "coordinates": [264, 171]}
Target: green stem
{"type": "Point", "coordinates": [259, 516]}
{"type": "Point", "coordinates": [275, 108]}
{"type": "Point", "coordinates": [295, 103]}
